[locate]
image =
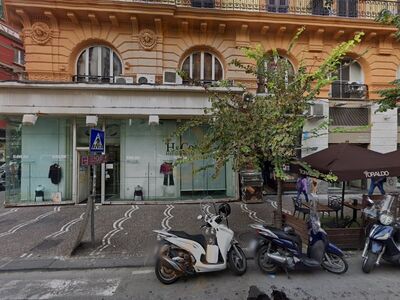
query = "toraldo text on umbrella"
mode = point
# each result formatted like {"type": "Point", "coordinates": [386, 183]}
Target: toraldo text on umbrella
{"type": "Point", "coordinates": [376, 174]}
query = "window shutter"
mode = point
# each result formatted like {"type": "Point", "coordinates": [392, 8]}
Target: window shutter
{"type": "Point", "coordinates": [342, 8]}
{"type": "Point", "coordinates": [280, 6]}
{"type": "Point", "coordinates": [272, 7]}
{"type": "Point", "coordinates": [283, 6]}
{"type": "Point", "coordinates": [348, 8]}
{"type": "Point", "coordinates": [353, 8]}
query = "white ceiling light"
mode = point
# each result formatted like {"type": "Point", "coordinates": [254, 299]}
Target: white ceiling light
{"type": "Point", "coordinates": [29, 119]}
{"type": "Point", "coordinates": [154, 120]}
{"type": "Point", "coordinates": [91, 121]}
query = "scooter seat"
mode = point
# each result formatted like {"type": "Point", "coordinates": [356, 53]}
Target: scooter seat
{"type": "Point", "coordinates": [295, 238]}
{"type": "Point", "coordinates": [199, 238]}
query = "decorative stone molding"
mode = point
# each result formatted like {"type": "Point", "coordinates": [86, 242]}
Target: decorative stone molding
{"type": "Point", "coordinates": [40, 76]}
{"type": "Point", "coordinates": [147, 39]}
{"type": "Point", "coordinates": [41, 33]}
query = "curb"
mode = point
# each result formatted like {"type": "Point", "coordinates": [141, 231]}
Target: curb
{"type": "Point", "coordinates": [67, 264]}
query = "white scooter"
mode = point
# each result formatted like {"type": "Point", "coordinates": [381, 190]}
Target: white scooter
{"type": "Point", "coordinates": [181, 254]}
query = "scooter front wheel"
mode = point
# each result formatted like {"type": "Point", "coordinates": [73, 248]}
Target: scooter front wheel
{"type": "Point", "coordinates": [334, 263]}
{"type": "Point", "coordinates": [369, 262]}
{"type": "Point", "coordinates": [237, 260]}
{"type": "Point", "coordinates": [264, 262]}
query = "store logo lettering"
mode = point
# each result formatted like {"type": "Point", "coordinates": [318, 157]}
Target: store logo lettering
{"type": "Point", "coordinates": [376, 174]}
{"type": "Point", "coordinates": [174, 149]}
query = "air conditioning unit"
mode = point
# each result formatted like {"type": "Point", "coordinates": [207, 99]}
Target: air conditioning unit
{"type": "Point", "coordinates": [316, 110]}
{"type": "Point", "coordinates": [123, 80]}
{"type": "Point", "coordinates": [171, 77]}
{"type": "Point", "coordinates": [146, 79]}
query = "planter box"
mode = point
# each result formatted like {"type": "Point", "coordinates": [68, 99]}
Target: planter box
{"type": "Point", "coordinates": [344, 238]}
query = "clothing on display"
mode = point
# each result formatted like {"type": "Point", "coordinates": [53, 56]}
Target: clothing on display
{"type": "Point", "coordinates": [39, 193]}
{"type": "Point", "coordinates": [167, 169]}
{"type": "Point", "coordinates": [55, 173]}
{"type": "Point", "coordinates": [138, 193]}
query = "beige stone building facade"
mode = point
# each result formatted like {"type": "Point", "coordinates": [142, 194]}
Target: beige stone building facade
{"type": "Point", "coordinates": [118, 60]}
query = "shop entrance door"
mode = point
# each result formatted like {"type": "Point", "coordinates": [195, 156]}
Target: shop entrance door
{"type": "Point", "coordinates": [83, 177]}
{"type": "Point", "coordinates": [112, 173]}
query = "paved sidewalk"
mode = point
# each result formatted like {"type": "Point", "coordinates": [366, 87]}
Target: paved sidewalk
{"type": "Point", "coordinates": [42, 238]}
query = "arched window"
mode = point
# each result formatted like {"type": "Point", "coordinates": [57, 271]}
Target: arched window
{"type": "Point", "coordinates": [98, 64]}
{"type": "Point", "coordinates": [272, 64]}
{"type": "Point", "coordinates": [203, 66]}
{"type": "Point", "coordinates": [350, 80]}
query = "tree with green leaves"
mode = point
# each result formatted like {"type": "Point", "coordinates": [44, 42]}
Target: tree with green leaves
{"type": "Point", "coordinates": [390, 97]}
{"type": "Point", "coordinates": [250, 129]}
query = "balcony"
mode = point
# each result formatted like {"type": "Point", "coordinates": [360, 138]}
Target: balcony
{"type": "Point", "coordinates": [148, 80]}
{"type": "Point", "coordinates": [349, 90]}
{"type": "Point", "coordinates": [102, 79]}
{"type": "Point", "coordinates": [364, 9]}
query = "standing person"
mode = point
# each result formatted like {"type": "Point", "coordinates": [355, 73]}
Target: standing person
{"type": "Point", "coordinates": [301, 187]}
{"type": "Point", "coordinates": [314, 185]}
{"type": "Point", "coordinates": [377, 182]}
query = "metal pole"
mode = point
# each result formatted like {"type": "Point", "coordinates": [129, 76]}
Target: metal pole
{"type": "Point", "coordinates": [93, 203]}
{"type": "Point", "coordinates": [343, 188]}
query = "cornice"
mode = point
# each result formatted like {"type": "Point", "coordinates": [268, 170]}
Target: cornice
{"type": "Point", "coordinates": [234, 16]}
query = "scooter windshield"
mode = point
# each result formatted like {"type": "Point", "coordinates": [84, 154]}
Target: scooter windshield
{"type": "Point", "coordinates": [389, 205]}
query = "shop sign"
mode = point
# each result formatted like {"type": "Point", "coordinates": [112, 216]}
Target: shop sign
{"type": "Point", "coordinates": [174, 149]}
{"type": "Point", "coordinates": [90, 160]}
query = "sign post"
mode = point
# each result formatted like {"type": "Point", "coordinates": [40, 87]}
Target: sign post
{"type": "Point", "coordinates": [96, 146]}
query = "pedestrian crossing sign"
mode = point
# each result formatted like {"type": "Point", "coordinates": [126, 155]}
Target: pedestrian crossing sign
{"type": "Point", "coordinates": [96, 141]}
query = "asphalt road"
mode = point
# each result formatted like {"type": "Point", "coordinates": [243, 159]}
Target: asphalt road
{"type": "Point", "coordinates": [141, 283]}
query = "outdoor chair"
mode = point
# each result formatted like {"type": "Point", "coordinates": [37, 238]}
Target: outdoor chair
{"type": "Point", "coordinates": [335, 202]}
{"type": "Point", "coordinates": [298, 208]}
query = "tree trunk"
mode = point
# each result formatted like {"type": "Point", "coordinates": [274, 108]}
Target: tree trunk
{"type": "Point", "coordinates": [278, 215]}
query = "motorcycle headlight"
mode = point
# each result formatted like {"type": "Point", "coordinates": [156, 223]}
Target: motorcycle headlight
{"type": "Point", "coordinates": [386, 219]}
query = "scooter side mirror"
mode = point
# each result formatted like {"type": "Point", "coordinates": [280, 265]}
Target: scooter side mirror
{"type": "Point", "coordinates": [370, 203]}
{"type": "Point", "coordinates": [199, 217]}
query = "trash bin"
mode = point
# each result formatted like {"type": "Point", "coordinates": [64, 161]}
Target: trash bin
{"type": "Point", "coordinates": [251, 183]}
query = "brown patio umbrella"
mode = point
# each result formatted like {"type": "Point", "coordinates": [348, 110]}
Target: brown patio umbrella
{"type": "Point", "coordinates": [347, 162]}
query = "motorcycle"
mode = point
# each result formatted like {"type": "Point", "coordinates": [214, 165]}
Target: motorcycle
{"type": "Point", "coordinates": [383, 241]}
{"type": "Point", "coordinates": [283, 248]}
{"type": "Point", "coordinates": [181, 254]}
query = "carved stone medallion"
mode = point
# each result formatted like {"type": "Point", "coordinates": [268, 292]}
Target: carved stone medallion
{"type": "Point", "coordinates": [147, 39]}
{"type": "Point", "coordinates": [41, 33]}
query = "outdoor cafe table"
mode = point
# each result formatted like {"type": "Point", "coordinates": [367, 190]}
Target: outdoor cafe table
{"type": "Point", "coordinates": [322, 208]}
{"type": "Point", "coordinates": [355, 208]}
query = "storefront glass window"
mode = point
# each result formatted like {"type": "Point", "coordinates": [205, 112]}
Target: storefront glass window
{"type": "Point", "coordinates": [38, 160]}
{"type": "Point", "coordinates": [148, 169]}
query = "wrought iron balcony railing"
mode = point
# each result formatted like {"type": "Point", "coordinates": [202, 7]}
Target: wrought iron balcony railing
{"type": "Point", "coordinates": [365, 9]}
{"type": "Point", "coordinates": [102, 79]}
{"type": "Point", "coordinates": [124, 80]}
{"type": "Point", "coordinates": [349, 90]}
